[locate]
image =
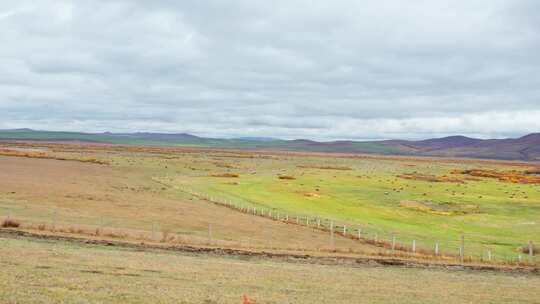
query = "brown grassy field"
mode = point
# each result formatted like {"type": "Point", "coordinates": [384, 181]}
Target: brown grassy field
{"type": "Point", "coordinates": [42, 271]}
{"type": "Point", "coordinates": [88, 196]}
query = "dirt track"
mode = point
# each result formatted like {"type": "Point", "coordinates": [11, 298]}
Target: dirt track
{"type": "Point", "coordinates": [284, 257]}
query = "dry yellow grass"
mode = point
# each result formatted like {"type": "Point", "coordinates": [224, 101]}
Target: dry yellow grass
{"type": "Point", "coordinates": [35, 271]}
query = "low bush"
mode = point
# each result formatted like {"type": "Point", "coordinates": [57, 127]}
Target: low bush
{"type": "Point", "coordinates": [10, 223]}
{"type": "Point", "coordinates": [234, 175]}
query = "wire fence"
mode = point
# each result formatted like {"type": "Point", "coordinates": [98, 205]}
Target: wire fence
{"type": "Point", "coordinates": [396, 243]}
{"type": "Point", "coordinates": [65, 220]}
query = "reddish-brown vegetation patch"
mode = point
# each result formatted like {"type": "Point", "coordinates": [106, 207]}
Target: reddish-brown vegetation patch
{"type": "Point", "coordinates": [224, 165]}
{"type": "Point", "coordinates": [10, 223]}
{"type": "Point", "coordinates": [325, 167]}
{"type": "Point", "coordinates": [312, 194]}
{"type": "Point", "coordinates": [233, 175]}
{"type": "Point", "coordinates": [41, 154]}
{"type": "Point", "coordinates": [430, 178]}
{"type": "Point", "coordinates": [504, 176]}
{"type": "Point", "coordinates": [286, 177]}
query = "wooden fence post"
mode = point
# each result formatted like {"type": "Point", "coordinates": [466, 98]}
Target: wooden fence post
{"type": "Point", "coordinates": [414, 246]}
{"type": "Point", "coordinates": [393, 243]}
{"type": "Point", "coordinates": [436, 249]}
{"type": "Point", "coordinates": [332, 234]}
{"type": "Point", "coordinates": [462, 249]}
{"type": "Point", "coordinates": [489, 255]}
{"type": "Point", "coordinates": [359, 233]}
{"type": "Point", "coordinates": [531, 251]}
{"type": "Point", "coordinates": [344, 230]}
{"type": "Point", "coordinates": [54, 219]}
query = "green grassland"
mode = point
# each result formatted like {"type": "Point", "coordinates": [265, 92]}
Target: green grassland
{"type": "Point", "coordinates": [491, 214]}
{"type": "Point", "coordinates": [44, 271]}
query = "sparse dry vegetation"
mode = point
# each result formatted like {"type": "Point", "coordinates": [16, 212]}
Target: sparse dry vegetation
{"type": "Point", "coordinates": [230, 175]}
{"type": "Point", "coordinates": [517, 177]}
{"type": "Point", "coordinates": [343, 168]}
{"type": "Point", "coordinates": [44, 155]}
{"type": "Point", "coordinates": [430, 178]}
{"type": "Point", "coordinates": [10, 223]}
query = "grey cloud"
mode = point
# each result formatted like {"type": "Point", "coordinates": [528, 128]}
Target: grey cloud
{"type": "Point", "coordinates": [324, 70]}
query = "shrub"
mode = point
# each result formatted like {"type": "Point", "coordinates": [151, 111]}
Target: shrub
{"type": "Point", "coordinates": [10, 223]}
{"type": "Point", "coordinates": [226, 175]}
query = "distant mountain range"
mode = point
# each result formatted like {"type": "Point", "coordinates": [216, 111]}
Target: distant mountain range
{"type": "Point", "coordinates": [524, 148]}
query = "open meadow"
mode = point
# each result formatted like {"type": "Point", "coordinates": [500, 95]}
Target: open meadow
{"type": "Point", "coordinates": [334, 206]}
{"type": "Point", "coordinates": [425, 200]}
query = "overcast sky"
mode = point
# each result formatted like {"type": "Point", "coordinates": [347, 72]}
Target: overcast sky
{"type": "Point", "coordinates": [282, 68]}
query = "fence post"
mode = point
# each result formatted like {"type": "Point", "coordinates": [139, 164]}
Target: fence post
{"type": "Point", "coordinates": [462, 249]}
{"type": "Point", "coordinates": [318, 223]}
{"type": "Point", "coordinates": [307, 221]}
{"type": "Point", "coordinates": [359, 233]}
{"type": "Point", "coordinates": [297, 220]}
{"type": "Point", "coordinates": [54, 220]}
{"type": "Point", "coordinates": [393, 243]}
{"type": "Point", "coordinates": [436, 249]}
{"type": "Point", "coordinates": [489, 255]}
{"type": "Point", "coordinates": [332, 234]}
{"type": "Point", "coordinates": [531, 251]}
{"type": "Point", "coordinates": [344, 230]}
{"type": "Point", "coordinates": [414, 246]}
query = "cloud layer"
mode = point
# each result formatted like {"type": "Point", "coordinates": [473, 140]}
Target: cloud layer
{"type": "Point", "coordinates": [292, 69]}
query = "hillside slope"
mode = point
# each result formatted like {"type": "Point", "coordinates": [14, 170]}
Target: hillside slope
{"type": "Point", "coordinates": [525, 148]}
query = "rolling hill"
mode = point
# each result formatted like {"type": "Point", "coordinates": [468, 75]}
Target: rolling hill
{"type": "Point", "coordinates": [525, 148]}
